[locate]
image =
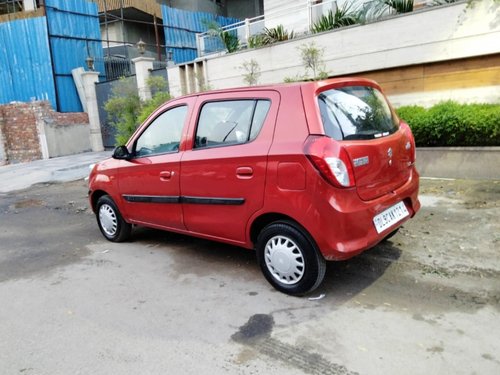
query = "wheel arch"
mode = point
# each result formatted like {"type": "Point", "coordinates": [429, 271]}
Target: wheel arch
{"type": "Point", "coordinates": [271, 217]}
{"type": "Point", "coordinates": [94, 197]}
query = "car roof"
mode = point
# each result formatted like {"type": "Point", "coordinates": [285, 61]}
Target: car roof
{"type": "Point", "coordinates": [309, 86]}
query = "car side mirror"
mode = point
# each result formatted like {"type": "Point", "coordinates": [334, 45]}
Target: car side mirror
{"type": "Point", "coordinates": [122, 153]}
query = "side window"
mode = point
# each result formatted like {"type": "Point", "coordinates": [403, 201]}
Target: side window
{"type": "Point", "coordinates": [230, 122]}
{"type": "Point", "coordinates": [259, 116]}
{"type": "Point", "coordinates": [163, 134]}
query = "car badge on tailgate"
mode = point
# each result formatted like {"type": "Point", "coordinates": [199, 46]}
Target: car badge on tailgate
{"type": "Point", "coordinates": [358, 162]}
{"type": "Point", "coordinates": [389, 152]}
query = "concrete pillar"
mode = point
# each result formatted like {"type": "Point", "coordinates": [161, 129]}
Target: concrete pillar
{"type": "Point", "coordinates": [199, 71]}
{"type": "Point", "coordinates": [40, 128]}
{"type": "Point", "coordinates": [77, 78]}
{"type": "Point", "coordinates": [89, 80]}
{"type": "Point", "coordinates": [143, 66]}
{"type": "Point", "coordinates": [191, 78]}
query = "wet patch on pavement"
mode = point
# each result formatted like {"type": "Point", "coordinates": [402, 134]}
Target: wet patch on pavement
{"type": "Point", "coordinates": [256, 334]}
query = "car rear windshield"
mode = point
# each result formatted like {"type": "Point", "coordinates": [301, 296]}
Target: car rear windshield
{"type": "Point", "coordinates": [356, 112]}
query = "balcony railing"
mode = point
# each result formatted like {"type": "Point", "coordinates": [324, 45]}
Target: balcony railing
{"type": "Point", "coordinates": [298, 18]}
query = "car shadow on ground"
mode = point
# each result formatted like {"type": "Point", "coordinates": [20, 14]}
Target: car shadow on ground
{"type": "Point", "coordinates": [344, 279]}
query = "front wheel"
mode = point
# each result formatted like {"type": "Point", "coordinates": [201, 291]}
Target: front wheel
{"type": "Point", "coordinates": [110, 221]}
{"type": "Point", "coordinates": [289, 260]}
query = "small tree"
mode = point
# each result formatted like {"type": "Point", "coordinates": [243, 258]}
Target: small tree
{"type": "Point", "coordinates": [252, 72]}
{"type": "Point", "coordinates": [125, 109]}
{"type": "Point", "coordinates": [160, 96]}
{"type": "Point", "coordinates": [312, 59]}
{"type": "Point", "coordinates": [201, 82]}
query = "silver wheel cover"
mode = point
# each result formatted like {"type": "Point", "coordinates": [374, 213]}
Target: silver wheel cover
{"type": "Point", "coordinates": [108, 220]}
{"type": "Point", "coordinates": [284, 260]}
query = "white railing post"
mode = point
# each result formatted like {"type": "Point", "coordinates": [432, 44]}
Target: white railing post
{"type": "Point", "coordinates": [309, 15]}
{"type": "Point", "coordinates": [247, 30]}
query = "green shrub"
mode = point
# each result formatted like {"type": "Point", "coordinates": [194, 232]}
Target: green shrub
{"type": "Point", "coordinates": [150, 106]}
{"type": "Point", "coordinates": [122, 108]}
{"type": "Point", "coordinates": [125, 109]}
{"type": "Point", "coordinates": [453, 124]}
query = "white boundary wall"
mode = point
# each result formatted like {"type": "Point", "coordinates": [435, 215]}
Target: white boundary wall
{"type": "Point", "coordinates": [430, 35]}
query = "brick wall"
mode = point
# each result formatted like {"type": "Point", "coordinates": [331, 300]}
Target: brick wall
{"type": "Point", "coordinates": [20, 132]}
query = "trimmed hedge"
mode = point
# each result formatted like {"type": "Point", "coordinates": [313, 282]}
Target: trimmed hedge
{"type": "Point", "coordinates": [453, 124]}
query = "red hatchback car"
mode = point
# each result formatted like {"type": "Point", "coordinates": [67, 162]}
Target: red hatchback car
{"type": "Point", "coordinates": [303, 173]}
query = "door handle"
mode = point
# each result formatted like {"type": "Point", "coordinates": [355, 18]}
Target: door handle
{"type": "Point", "coordinates": [244, 172]}
{"type": "Point", "coordinates": [166, 175]}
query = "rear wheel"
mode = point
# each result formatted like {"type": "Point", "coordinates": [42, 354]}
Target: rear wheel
{"type": "Point", "coordinates": [390, 235]}
{"type": "Point", "coordinates": [110, 221]}
{"type": "Point", "coordinates": [289, 260]}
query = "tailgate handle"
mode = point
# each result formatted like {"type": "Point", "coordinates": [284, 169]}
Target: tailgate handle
{"type": "Point", "coordinates": [244, 172]}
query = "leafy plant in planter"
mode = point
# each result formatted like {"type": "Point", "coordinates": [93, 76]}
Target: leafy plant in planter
{"type": "Point", "coordinates": [397, 6]}
{"type": "Point", "coordinates": [443, 2]}
{"type": "Point", "coordinates": [276, 34]}
{"type": "Point", "coordinates": [256, 41]}
{"type": "Point", "coordinates": [228, 38]}
{"type": "Point", "coordinates": [343, 16]}
{"type": "Point", "coordinates": [378, 8]}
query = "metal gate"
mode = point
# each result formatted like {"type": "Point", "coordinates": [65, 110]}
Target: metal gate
{"type": "Point", "coordinates": [104, 91]}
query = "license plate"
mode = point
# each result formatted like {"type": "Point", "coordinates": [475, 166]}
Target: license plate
{"type": "Point", "coordinates": [390, 216]}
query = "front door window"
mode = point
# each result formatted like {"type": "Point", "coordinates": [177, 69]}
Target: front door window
{"type": "Point", "coordinates": [163, 135]}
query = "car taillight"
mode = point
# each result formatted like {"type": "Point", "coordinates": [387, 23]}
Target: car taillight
{"type": "Point", "coordinates": [331, 160]}
{"type": "Point", "coordinates": [410, 145]}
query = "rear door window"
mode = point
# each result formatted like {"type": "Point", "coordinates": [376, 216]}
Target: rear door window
{"type": "Point", "coordinates": [230, 122]}
{"type": "Point", "coordinates": [356, 112]}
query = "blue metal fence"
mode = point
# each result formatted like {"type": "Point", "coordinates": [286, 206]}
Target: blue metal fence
{"type": "Point", "coordinates": [38, 54]}
{"type": "Point", "coordinates": [181, 27]}
{"type": "Point", "coordinates": [25, 63]}
{"type": "Point", "coordinates": [74, 34]}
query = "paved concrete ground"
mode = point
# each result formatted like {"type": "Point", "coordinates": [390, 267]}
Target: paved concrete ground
{"type": "Point", "coordinates": [66, 168]}
{"type": "Point", "coordinates": [428, 301]}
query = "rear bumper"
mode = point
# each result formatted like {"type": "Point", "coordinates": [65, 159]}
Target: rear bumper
{"type": "Point", "coordinates": [345, 228]}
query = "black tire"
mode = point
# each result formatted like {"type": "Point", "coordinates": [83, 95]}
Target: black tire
{"type": "Point", "coordinates": [302, 266]}
{"type": "Point", "coordinates": [390, 235]}
{"type": "Point", "coordinates": [110, 221]}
